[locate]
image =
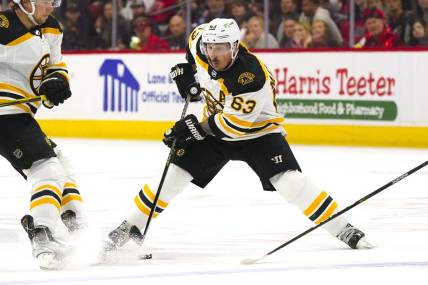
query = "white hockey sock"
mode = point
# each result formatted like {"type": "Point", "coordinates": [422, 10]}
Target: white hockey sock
{"type": "Point", "coordinates": [71, 197]}
{"type": "Point", "coordinates": [46, 177]}
{"type": "Point", "coordinates": [317, 205]}
{"type": "Point", "coordinates": [175, 181]}
{"type": "Point", "coordinates": [71, 200]}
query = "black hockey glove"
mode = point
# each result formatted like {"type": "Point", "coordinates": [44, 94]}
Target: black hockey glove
{"type": "Point", "coordinates": [56, 88]}
{"type": "Point", "coordinates": [184, 78]}
{"type": "Point", "coordinates": [185, 131]}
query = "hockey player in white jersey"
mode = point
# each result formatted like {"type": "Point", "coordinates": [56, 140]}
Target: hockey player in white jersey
{"type": "Point", "coordinates": [31, 64]}
{"type": "Point", "coordinates": [240, 122]}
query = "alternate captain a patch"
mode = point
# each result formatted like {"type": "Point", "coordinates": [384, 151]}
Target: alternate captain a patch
{"type": "Point", "coordinates": [4, 22]}
{"type": "Point", "coordinates": [246, 78]}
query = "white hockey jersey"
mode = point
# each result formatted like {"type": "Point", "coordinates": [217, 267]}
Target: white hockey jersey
{"type": "Point", "coordinates": [240, 101]}
{"type": "Point", "coordinates": [26, 56]}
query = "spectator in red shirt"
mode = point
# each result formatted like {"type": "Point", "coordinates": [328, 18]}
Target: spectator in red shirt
{"type": "Point", "coordinates": [379, 34]}
{"type": "Point", "coordinates": [144, 39]}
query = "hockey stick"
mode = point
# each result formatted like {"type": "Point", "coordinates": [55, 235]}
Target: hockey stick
{"type": "Point", "coordinates": [23, 101]}
{"type": "Point", "coordinates": [387, 185]}
{"type": "Point", "coordinates": [165, 171]}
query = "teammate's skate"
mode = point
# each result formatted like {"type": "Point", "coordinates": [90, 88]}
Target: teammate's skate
{"type": "Point", "coordinates": [48, 251]}
{"type": "Point", "coordinates": [354, 238]}
{"type": "Point", "coordinates": [70, 221]}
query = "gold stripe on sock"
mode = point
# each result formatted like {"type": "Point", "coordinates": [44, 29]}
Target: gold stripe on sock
{"type": "Point", "coordinates": [49, 187]}
{"type": "Point", "coordinates": [148, 192]}
{"type": "Point", "coordinates": [45, 200]}
{"type": "Point", "coordinates": [70, 185]}
{"type": "Point", "coordinates": [71, 197]}
{"type": "Point", "coordinates": [142, 207]}
{"type": "Point", "coordinates": [315, 203]}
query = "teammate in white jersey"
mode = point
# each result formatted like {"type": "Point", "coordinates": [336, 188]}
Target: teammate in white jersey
{"type": "Point", "coordinates": [240, 122]}
{"type": "Point", "coordinates": [30, 65]}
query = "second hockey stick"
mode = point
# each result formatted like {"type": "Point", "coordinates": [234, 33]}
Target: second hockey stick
{"type": "Point", "coordinates": [23, 101]}
{"type": "Point", "coordinates": [368, 196]}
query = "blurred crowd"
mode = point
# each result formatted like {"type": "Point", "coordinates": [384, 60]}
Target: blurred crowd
{"type": "Point", "coordinates": [160, 25]}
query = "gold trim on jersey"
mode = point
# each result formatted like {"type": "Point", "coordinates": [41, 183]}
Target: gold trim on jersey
{"type": "Point", "coordinates": [226, 128]}
{"type": "Point", "coordinates": [54, 31]}
{"type": "Point", "coordinates": [223, 86]}
{"type": "Point", "coordinates": [201, 62]}
{"type": "Point", "coordinates": [21, 39]}
{"type": "Point", "coordinates": [247, 124]}
{"type": "Point", "coordinates": [262, 65]}
{"type": "Point", "coordinates": [20, 92]}
{"type": "Point", "coordinates": [15, 90]}
{"type": "Point", "coordinates": [60, 64]}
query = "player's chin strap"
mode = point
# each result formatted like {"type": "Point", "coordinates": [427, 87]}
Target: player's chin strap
{"type": "Point", "coordinates": [29, 14]}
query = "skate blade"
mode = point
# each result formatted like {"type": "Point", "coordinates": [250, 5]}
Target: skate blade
{"type": "Point", "coordinates": [50, 261]}
{"type": "Point", "coordinates": [364, 244]}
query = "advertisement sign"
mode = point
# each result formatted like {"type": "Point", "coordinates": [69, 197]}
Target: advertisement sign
{"type": "Point", "coordinates": [355, 89]}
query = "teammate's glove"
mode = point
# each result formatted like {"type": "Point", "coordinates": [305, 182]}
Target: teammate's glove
{"type": "Point", "coordinates": [56, 89]}
{"type": "Point", "coordinates": [184, 131]}
{"type": "Point", "coordinates": [184, 78]}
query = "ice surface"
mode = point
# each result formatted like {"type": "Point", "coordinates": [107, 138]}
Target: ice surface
{"type": "Point", "coordinates": [204, 234]}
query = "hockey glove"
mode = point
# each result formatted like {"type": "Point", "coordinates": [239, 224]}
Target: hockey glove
{"type": "Point", "coordinates": [184, 78]}
{"type": "Point", "coordinates": [185, 132]}
{"type": "Point", "coordinates": [56, 88]}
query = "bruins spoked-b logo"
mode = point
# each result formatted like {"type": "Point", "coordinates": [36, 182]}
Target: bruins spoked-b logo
{"type": "Point", "coordinates": [38, 73]}
{"type": "Point", "coordinates": [246, 78]}
{"type": "Point", "coordinates": [4, 22]}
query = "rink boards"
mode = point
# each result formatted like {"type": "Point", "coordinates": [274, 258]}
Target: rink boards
{"type": "Point", "coordinates": [350, 98]}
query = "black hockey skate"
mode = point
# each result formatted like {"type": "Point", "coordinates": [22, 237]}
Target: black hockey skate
{"type": "Point", "coordinates": [354, 237]}
{"type": "Point", "coordinates": [121, 235]}
{"type": "Point", "coordinates": [48, 251]}
{"type": "Point", "coordinates": [70, 221]}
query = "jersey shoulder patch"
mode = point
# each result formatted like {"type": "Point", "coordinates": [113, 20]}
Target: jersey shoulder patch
{"type": "Point", "coordinates": [246, 74]}
{"type": "Point", "coordinates": [4, 21]}
{"type": "Point", "coordinates": [11, 27]}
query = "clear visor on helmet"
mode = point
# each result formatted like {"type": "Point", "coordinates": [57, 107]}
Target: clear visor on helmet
{"type": "Point", "coordinates": [215, 49]}
{"type": "Point", "coordinates": [48, 3]}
